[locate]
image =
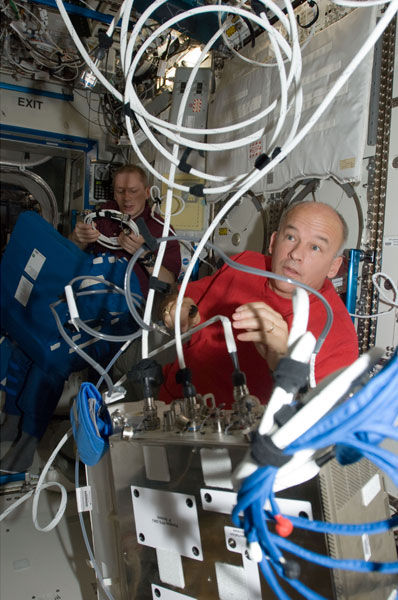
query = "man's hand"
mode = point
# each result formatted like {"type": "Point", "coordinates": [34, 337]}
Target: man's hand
{"type": "Point", "coordinates": [84, 234]}
{"type": "Point", "coordinates": [131, 243]}
{"type": "Point", "coordinates": [190, 316]}
{"type": "Point", "coordinates": [263, 326]}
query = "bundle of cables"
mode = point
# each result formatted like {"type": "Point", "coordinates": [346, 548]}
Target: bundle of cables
{"type": "Point", "coordinates": [127, 224]}
{"type": "Point", "coordinates": [354, 429]}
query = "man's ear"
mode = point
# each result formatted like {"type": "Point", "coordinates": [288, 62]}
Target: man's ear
{"type": "Point", "coordinates": [335, 266]}
{"type": "Point", "coordinates": [272, 242]}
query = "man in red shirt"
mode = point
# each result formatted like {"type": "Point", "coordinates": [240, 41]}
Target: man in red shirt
{"type": "Point", "coordinates": [307, 248]}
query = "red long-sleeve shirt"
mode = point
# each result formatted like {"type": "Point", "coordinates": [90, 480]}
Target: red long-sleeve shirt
{"type": "Point", "coordinates": [220, 294]}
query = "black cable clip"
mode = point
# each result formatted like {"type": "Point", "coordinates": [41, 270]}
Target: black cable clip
{"type": "Point", "coordinates": [262, 161]}
{"type": "Point", "coordinates": [197, 190]}
{"type": "Point", "coordinates": [183, 165]}
{"type": "Point", "coordinates": [158, 285]}
{"type": "Point", "coordinates": [277, 150]}
{"type": "Point", "coordinates": [148, 373]}
{"type": "Point", "coordinates": [128, 112]}
{"type": "Point", "coordinates": [104, 40]}
{"type": "Point", "coordinates": [257, 7]}
{"type": "Point", "coordinates": [311, 3]}
{"type": "Point", "coordinates": [290, 374]}
{"type": "Point", "coordinates": [184, 377]}
{"type": "Point", "coordinates": [265, 452]}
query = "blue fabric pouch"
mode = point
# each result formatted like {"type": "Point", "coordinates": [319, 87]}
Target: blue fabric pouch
{"type": "Point", "coordinates": [91, 424]}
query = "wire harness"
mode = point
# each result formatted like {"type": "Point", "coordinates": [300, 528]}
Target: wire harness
{"type": "Point", "coordinates": [354, 429]}
{"type": "Point", "coordinates": [126, 222]}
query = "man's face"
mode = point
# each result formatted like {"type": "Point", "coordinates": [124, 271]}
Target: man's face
{"type": "Point", "coordinates": [130, 193]}
{"type": "Point", "coordinates": [305, 248]}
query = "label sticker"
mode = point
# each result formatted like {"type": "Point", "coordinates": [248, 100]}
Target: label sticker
{"type": "Point", "coordinates": [35, 264]}
{"type": "Point", "coordinates": [391, 240]}
{"type": "Point", "coordinates": [23, 291]}
{"type": "Point", "coordinates": [370, 490]}
{"type": "Point", "coordinates": [366, 546]}
{"type": "Point", "coordinates": [347, 163]}
{"type": "Point", "coordinates": [84, 498]}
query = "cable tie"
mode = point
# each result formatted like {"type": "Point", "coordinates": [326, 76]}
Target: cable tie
{"type": "Point", "coordinates": [184, 375]}
{"type": "Point", "coordinates": [290, 374]}
{"type": "Point", "coordinates": [127, 111]}
{"type": "Point", "coordinates": [130, 113]}
{"type": "Point", "coordinates": [263, 160]}
{"type": "Point", "coordinates": [284, 414]}
{"type": "Point", "coordinates": [276, 151]}
{"type": "Point", "coordinates": [197, 190]}
{"type": "Point", "coordinates": [158, 285]}
{"type": "Point", "coordinates": [104, 40]}
{"type": "Point", "coordinates": [238, 378]}
{"type": "Point", "coordinates": [265, 452]}
{"type": "Point", "coordinates": [147, 368]}
{"type": "Point", "coordinates": [257, 7]}
{"type": "Point", "coordinates": [183, 165]}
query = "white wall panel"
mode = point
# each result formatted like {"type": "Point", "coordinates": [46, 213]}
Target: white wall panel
{"type": "Point", "coordinates": [335, 144]}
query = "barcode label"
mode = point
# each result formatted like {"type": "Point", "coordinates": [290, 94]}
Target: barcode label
{"type": "Point", "coordinates": [84, 498]}
{"type": "Point", "coordinates": [366, 546]}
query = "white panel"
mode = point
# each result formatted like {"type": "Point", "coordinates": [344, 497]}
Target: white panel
{"type": "Point", "coordinates": [40, 112]}
{"type": "Point", "coordinates": [168, 521]}
{"type": "Point", "coordinates": [156, 463]}
{"type": "Point", "coordinates": [216, 467]}
{"type": "Point", "coordinates": [231, 582]}
{"type": "Point", "coordinates": [160, 592]}
{"type": "Point", "coordinates": [170, 568]}
{"type": "Point", "coordinates": [335, 145]}
{"type": "Point", "coordinates": [224, 502]}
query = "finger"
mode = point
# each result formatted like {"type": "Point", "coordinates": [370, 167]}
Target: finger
{"type": "Point", "coordinates": [256, 308]}
{"type": "Point", "coordinates": [126, 243]}
{"type": "Point", "coordinates": [261, 314]}
{"type": "Point", "coordinates": [254, 324]}
{"type": "Point", "coordinates": [251, 336]}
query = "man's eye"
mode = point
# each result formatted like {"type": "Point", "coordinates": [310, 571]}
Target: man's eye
{"type": "Point", "coordinates": [316, 248]}
{"type": "Point", "coordinates": [290, 237]}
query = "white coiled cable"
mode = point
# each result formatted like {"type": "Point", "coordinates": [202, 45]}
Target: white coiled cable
{"type": "Point", "coordinates": [125, 220]}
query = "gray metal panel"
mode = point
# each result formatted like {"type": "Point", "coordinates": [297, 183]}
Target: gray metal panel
{"type": "Point", "coordinates": [356, 494]}
{"type": "Point", "coordinates": [204, 580]}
